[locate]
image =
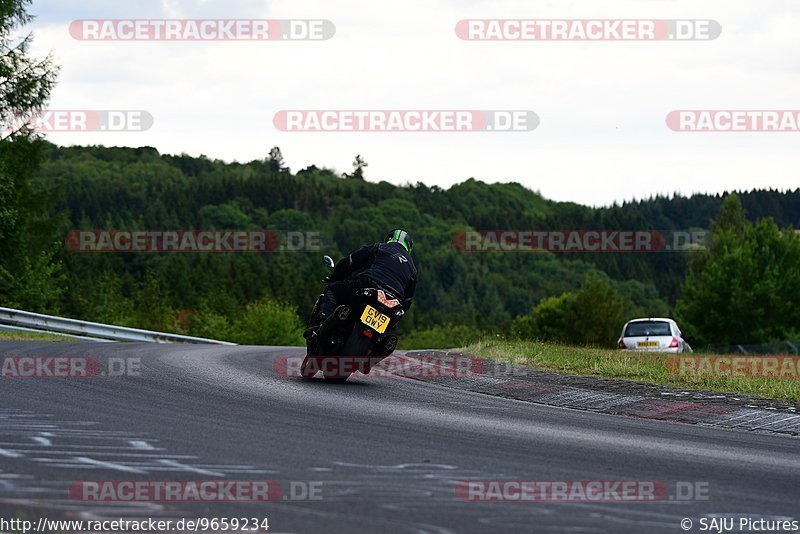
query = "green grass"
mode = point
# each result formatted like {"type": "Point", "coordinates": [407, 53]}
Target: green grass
{"type": "Point", "coordinates": [439, 337]}
{"type": "Point", "coordinates": [21, 335]}
{"type": "Point", "coordinates": [636, 366]}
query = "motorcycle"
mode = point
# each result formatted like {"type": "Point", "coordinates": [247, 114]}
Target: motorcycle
{"type": "Point", "coordinates": [356, 336]}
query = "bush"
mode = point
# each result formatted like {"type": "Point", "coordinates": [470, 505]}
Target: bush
{"type": "Point", "coordinates": [547, 321]}
{"type": "Point", "coordinates": [590, 316]}
{"type": "Point", "coordinates": [268, 322]}
{"type": "Point", "coordinates": [206, 323]}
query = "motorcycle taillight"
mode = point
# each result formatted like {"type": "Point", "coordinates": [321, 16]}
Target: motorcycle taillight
{"type": "Point", "coordinates": [389, 303]}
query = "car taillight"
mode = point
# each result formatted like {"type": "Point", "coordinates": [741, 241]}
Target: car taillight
{"type": "Point", "coordinates": [621, 344]}
{"type": "Point", "coordinates": [674, 344]}
{"type": "Point", "coordinates": [389, 303]}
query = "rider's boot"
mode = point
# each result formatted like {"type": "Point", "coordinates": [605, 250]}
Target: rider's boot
{"type": "Point", "coordinates": [313, 327]}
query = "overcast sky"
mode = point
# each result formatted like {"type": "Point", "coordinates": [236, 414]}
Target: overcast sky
{"type": "Point", "coordinates": [602, 105]}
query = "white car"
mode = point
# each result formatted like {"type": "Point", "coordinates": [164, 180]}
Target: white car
{"type": "Point", "coordinates": [654, 334]}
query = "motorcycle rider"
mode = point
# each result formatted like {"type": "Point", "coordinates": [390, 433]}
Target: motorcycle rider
{"type": "Point", "coordinates": [385, 265]}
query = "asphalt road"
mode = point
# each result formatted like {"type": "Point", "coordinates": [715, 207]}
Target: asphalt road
{"type": "Point", "coordinates": [381, 454]}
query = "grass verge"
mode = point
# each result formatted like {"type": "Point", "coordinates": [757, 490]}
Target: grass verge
{"type": "Point", "coordinates": [637, 366]}
{"type": "Point", "coordinates": [20, 335]}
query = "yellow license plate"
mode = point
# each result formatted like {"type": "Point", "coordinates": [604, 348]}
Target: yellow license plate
{"type": "Point", "coordinates": [647, 343]}
{"type": "Point", "coordinates": [375, 319]}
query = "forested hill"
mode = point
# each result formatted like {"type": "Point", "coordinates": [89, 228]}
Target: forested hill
{"type": "Point", "coordinates": [138, 188]}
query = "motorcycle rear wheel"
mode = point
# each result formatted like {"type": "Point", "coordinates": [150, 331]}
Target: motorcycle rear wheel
{"type": "Point", "coordinates": [356, 346]}
{"type": "Point", "coordinates": [305, 372]}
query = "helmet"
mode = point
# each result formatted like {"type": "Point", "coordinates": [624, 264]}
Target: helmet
{"type": "Point", "coordinates": [398, 235]}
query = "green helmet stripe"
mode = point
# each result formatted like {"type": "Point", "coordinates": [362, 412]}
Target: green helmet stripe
{"type": "Point", "coordinates": [399, 236]}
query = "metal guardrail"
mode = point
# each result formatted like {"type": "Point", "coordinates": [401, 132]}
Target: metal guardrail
{"type": "Point", "coordinates": [12, 328]}
{"type": "Point", "coordinates": [51, 324]}
{"type": "Point", "coordinates": [787, 346]}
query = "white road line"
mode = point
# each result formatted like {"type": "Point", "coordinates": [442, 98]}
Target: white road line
{"type": "Point", "coordinates": [16, 445]}
{"type": "Point", "coordinates": [109, 465]}
{"type": "Point", "coordinates": [42, 441]}
{"type": "Point", "coordinates": [9, 454]}
{"type": "Point", "coordinates": [191, 469]}
{"type": "Point", "coordinates": [73, 466]}
{"type": "Point", "coordinates": [152, 456]}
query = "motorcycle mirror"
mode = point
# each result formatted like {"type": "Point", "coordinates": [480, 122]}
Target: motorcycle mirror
{"type": "Point", "coordinates": [328, 261]}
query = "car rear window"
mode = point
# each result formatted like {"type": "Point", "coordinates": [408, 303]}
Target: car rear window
{"type": "Point", "coordinates": [648, 328]}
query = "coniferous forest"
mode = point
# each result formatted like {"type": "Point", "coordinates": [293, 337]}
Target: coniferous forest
{"type": "Point", "coordinates": [579, 297]}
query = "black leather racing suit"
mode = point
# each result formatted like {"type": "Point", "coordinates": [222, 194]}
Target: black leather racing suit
{"type": "Point", "coordinates": [386, 266]}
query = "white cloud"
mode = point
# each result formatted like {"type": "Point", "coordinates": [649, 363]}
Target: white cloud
{"type": "Point", "coordinates": [602, 105]}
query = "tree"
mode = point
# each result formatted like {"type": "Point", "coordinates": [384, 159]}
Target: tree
{"type": "Point", "coordinates": [745, 288]}
{"type": "Point", "coordinates": [25, 82]}
{"type": "Point", "coordinates": [28, 274]}
{"type": "Point", "coordinates": [731, 217]}
{"type": "Point", "coordinates": [275, 160]}
{"type": "Point", "coordinates": [590, 316]}
{"type": "Point", "coordinates": [358, 168]}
